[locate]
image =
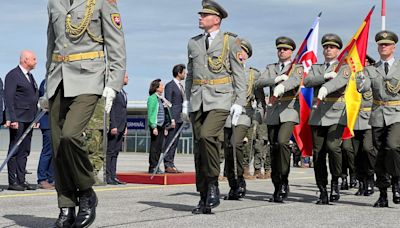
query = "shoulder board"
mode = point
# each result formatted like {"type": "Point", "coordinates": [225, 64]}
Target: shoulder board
{"type": "Point", "coordinates": [231, 34]}
{"type": "Point", "coordinates": [271, 65]}
{"type": "Point", "coordinates": [198, 36]}
{"type": "Point", "coordinates": [254, 69]}
{"type": "Point", "coordinates": [377, 64]}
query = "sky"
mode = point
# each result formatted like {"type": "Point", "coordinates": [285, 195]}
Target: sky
{"type": "Point", "coordinates": [157, 31]}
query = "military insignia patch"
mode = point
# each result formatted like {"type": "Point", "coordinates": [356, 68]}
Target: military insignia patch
{"type": "Point", "coordinates": [239, 56]}
{"type": "Point", "coordinates": [116, 20]}
{"type": "Point", "coordinates": [346, 73]}
{"type": "Point", "coordinates": [300, 71]}
{"type": "Point", "coordinates": [384, 35]}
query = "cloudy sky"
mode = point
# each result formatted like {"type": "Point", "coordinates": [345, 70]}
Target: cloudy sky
{"type": "Point", "coordinates": [157, 31]}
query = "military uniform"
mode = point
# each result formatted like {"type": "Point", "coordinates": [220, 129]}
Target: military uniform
{"type": "Point", "coordinates": [83, 37]}
{"type": "Point", "coordinates": [282, 116]}
{"type": "Point", "coordinates": [328, 120]}
{"type": "Point", "coordinates": [383, 78]}
{"type": "Point", "coordinates": [209, 91]}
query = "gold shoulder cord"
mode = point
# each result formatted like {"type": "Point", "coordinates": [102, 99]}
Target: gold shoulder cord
{"type": "Point", "coordinates": [76, 31]}
{"type": "Point", "coordinates": [391, 88]}
{"type": "Point", "coordinates": [367, 95]}
{"type": "Point", "coordinates": [250, 85]}
{"type": "Point", "coordinates": [218, 64]}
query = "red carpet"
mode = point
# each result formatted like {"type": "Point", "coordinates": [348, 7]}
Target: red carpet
{"type": "Point", "coordinates": [162, 179]}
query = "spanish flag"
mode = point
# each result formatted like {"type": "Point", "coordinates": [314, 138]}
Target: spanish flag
{"type": "Point", "coordinates": [355, 54]}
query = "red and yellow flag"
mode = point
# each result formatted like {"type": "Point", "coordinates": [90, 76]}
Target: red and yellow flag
{"type": "Point", "coordinates": [354, 54]}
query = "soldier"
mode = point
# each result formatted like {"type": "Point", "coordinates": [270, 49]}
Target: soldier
{"type": "Point", "coordinates": [94, 140]}
{"type": "Point", "coordinates": [238, 186]}
{"type": "Point", "coordinates": [328, 119]}
{"type": "Point", "coordinates": [383, 78]}
{"type": "Point", "coordinates": [348, 157]}
{"type": "Point", "coordinates": [282, 115]}
{"type": "Point", "coordinates": [83, 37]}
{"type": "Point", "coordinates": [214, 64]}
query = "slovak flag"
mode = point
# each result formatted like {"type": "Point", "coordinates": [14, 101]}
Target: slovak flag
{"type": "Point", "coordinates": [307, 55]}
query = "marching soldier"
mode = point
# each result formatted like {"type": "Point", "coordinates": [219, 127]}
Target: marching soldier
{"type": "Point", "coordinates": [348, 164]}
{"type": "Point", "coordinates": [282, 115]}
{"type": "Point", "coordinates": [383, 78]}
{"type": "Point", "coordinates": [328, 119]}
{"type": "Point", "coordinates": [83, 37]}
{"type": "Point", "coordinates": [214, 64]}
{"type": "Point", "coordinates": [238, 186]}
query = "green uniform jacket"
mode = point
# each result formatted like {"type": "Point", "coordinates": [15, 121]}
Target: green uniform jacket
{"type": "Point", "coordinates": [219, 96]}
{"type": "Point", "coordinates": [152, 110]}
{"type": "Point", "coordinates": [85, 76]}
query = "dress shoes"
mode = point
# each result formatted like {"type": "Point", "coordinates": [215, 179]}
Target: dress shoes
{"type": "Point", "coordinates": [361, 188]}
{"type": "Point", "coordinates": [344, 185]}
{"type": "Point", "coordinates": [16, 187]}
{"type": "Point", "coordinates": [87, 209]}
{"type": "Point", "coordinates": [242, 187]}
{"type": "Point", "coordinates": [396, 190]}
{"type": "Point", "coordinates": [277, 196]}
{"type": "Point", "coordinates": [369, 186]}
{"type": "Point", "coordinates": [45, 185]}
{"type": "Point", "coordinates": [199, 209]}
{"type": "Point", "coordinates": [29, 186]}
{"type": "Point", "coordinates": [111, 182]}
{"type": "Point", "coordinates": [382, 200]}
{"type": "Point", "coordinates": [119, 182]}
{"type": "Point", "coordinates": [159, 171]}
{"type": "Point", "coordinates": [233, 194]}
{"type": "Point", "coordinates": [171, 170]}
{"type": "Point", "coordinates": [212, 200]}
{"type": "Point", "coordinates": [285, 190]}
{"type": "Point", "coordinates": [335, 194]}
{"type": "Point", "coordinates": [66, 218]}
{"type": "Point", "coordinates": [323, 197]}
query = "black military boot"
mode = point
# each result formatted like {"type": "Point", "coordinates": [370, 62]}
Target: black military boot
{"type": "Point", "coordinates": [396, 190]}
{"type": "Point", "coordinates": [66, 218]}
{"type": "Point", "coordinates": [323, 197]}
{"type": "Point", "coordinates": [361, 187]}
{"type": "Point", "coordinates": [383, 200]}
{"type": "Point", "coordinates": [234, 191]}
{"type": "Point", "coordinates": [353, 182]}
{"type": "Point", "coordinates": [87, 209]}
{"type": "Point", "coordinates": [369, 188]}
{"type": "Point", "coordinates": [344, 185]}
{"type": "Point", "coordinates": [212, 200]}
{"type": "Point", "coordinates": [242, 187]}
{"type": "Point", "coordinates": [335, 195]}
{"type": "Point", "coordinates": [277, 196]}
{"type": "Point", "coordinates": [285, 187]}
{"type": "Point", "coordinates": [200, 207]}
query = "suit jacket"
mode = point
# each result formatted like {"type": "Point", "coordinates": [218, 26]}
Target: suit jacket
{"type": "Point", "coordinates": [2, 104]}
{"type": "Point", "coordinates": [118, 112]}
{"type": "Point", "coordinates": [376, 80]}
{"type": "Point", "coordinates": [21, 96]}
{"type": "Point", "coordinates": [286, 108]}
{"type": "Point", "coordinates": [173, 94]}
{"type": "Point", "coordinates": [44, 121]}
{"type": "Point", "coordinates": [329, 111]}
{"type": "Point", "coordinates": [85, 76]}
{"type": "Point", "coordinates": [218, 96]}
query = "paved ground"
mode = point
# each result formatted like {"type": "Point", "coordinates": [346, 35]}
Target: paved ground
{"type": "Point", "coordinates": [169, 206]}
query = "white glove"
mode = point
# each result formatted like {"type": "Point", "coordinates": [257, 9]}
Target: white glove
{"type": "Point", "coordinates": [330, 75]}
{"type": "Point", "coordinates": [322, 93]}
{"type": "Point", "coordinates": [236, 111]}
{"type": "Point", "coordinates": [360, 81]}
{"type": "Point", "coordinates": [43, 102]}
{"type": "Point", "coordinates": [185, 111]}
{"type": "Point", "coordinates": [109, 95]}
{"type": "Point", "coordinates": [279, 90]}
{"type": "Point", "coordinates": [280, 78]}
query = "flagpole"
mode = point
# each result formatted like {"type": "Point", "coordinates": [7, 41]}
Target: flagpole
{"type": "Point", "coordinates": [383, 14]}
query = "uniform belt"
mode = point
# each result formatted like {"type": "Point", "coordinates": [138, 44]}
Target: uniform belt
{"type": "Point", "coordinates": [332, 99]}
{"type": "Point", "coordinates": [218, 81]}
{"type": "Point", "coordinates": [387, 103]}
{"type": "Point", "coordinates": [366, 109]}
{"type": "Point", "coordinates": [288, 98]}
{"type": "Point", "coordinates": [77, 57]}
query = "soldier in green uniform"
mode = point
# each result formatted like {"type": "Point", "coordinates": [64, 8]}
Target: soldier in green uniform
{"type": "Point", "coordinates": [83, 37]}
{"type": "Point", "coordinates": [94, 140]}
{"type": "Point", "coordinates": [214, 64]}
{"type": "Point", "coordinates": [283, 114]}
{"type": "Point", "coordinates": [237, 183]}
{"type": "Point", "coordinates": [328, 119]}
{"type": "Point", "coordinates": [383, 78]}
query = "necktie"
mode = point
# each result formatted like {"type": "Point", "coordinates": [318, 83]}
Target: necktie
{"type": "Point", "coordinates": [28, 76]}
{"type": "Point", "coordinates": [207, 42]}
{"type": "Point", "coordinates": [282, 66]}
{"type": "Point", "coordinates": [181, 88]}
{"type": "Point", "coordinates": [386, 67]}
{"type": "Point", "coordinates": [71, 2]}
{"type": "Point", "coordinates": [327, 66]}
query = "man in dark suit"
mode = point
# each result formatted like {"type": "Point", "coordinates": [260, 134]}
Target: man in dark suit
{"type": "Point", "coordinates": [115, 135]}
{"type": "Point", "coordinates": [21, 98]}
{"type": "Point", "coordinates": [174, 92]}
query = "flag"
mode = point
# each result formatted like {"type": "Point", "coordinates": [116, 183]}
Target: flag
{"type": "Point", "coordinates": [307, 55]}
{"type": "Point", "coordinates": [355, 54]}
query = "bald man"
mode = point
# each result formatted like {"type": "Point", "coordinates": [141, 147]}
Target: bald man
{"type": "Point", "coordinates": [21, 98]}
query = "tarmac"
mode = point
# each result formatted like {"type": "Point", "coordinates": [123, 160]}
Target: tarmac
{"type": "Point", "coordinates": [137, 205]}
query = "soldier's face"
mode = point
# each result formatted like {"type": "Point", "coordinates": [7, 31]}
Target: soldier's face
{"type": "Point", "coordinates": [284, 54]}
{"type": "Point", "coordinates": [331, 52]}
{"type": "Point", "coordinates": [208, 21]}
{"type": "Point", "coordinates": [386, 50]}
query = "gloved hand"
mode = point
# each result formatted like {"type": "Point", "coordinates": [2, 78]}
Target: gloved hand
{"type": "Point", "coordinates": [280, 78]}
{"type": "Point", "coordinates": [109, 95]}
{"type": "Point", "coordinates": [43, 102]}
{"type": "Point", "coordinates": [236, 111]}
{"type": "Point", "coordinates": [360, 80]}
{"type": "Point", "coordinates": [322, 93]}
{"type": "Point", "coordinates": [330, 75]}
{"type": "Point", "coordinates": [279, 90]}
{"type": "Point", "coordinates": [185, 111]}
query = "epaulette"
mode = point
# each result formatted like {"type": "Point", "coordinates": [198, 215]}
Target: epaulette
{"type": "Point", "coordinates": [198, 36]}
{"type": "Point", "coordinates": [377, 64]}
{"type": "Point", "coordinates": [231, 34]}
{"type": "Point", "coordinates": [254, 69]}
